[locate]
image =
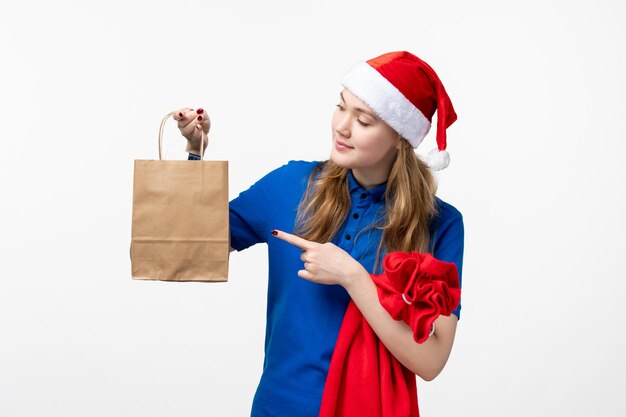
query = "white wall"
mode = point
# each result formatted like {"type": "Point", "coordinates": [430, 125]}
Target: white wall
{"type": "Point", "coordinates": [537, 170]}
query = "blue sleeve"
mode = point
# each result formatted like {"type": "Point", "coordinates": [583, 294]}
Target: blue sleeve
{"type": "Point", "coordinates": [248, 215]}
{"type": "Point", "coordinates": [447, 238]}
{"type": "Point", "coordinates": [276, 194]}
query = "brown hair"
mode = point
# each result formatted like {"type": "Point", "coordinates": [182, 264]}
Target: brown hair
{"type": "Point", "coordinates": [410, 203]}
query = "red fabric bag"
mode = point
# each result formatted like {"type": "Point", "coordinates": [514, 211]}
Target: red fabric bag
{"type": "Point", "coordinates": [364, 378]}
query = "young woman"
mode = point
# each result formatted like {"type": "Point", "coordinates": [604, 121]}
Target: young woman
{"type": "Point", "coordinates": [332, 223]}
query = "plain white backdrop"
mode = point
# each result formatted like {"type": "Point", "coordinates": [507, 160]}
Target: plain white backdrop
{"type": "Point", "coordinates": [537, 170]}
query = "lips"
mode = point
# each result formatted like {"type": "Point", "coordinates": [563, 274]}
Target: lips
{"type": "Point", "coordinates": [343, 145]}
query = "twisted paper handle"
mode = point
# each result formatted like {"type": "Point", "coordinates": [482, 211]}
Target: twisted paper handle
{"type": "Point", "coordinates": [167, 116]}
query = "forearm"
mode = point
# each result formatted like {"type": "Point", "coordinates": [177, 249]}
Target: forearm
{"type": "Point", "coordinates": [426, 359]}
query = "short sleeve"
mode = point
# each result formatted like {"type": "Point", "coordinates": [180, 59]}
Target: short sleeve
{"type": "Point", "coordinates": [256, 207]}
{"type": "Point", "coordinates": [248, 214]}
{"type": "Point", "coordinates": [447, 239]}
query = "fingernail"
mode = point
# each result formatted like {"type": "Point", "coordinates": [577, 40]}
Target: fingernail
{"type": "Point", "coordinates": [200, 111]}
{"type": "Point", "coordinates": [199, 117]}
{"type": "Point", "coordinates": [274, 232]}
{"type": "Point", "coordinates": [180, 114]}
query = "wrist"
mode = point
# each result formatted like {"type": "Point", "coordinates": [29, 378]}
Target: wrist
{"type": "Point", "coordinates": [358, 283]}
{"type": "Point", "coordinates": [191, 149]}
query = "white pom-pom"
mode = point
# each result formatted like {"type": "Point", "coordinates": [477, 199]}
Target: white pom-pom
{"type": "Point", "coordinates": [438, 160]}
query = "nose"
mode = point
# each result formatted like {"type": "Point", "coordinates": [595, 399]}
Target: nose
{"type": "Point", "coordinates": [342, 123]}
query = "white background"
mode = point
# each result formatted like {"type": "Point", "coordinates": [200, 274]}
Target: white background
{"type": "Point", "coordinates": [537, 170]}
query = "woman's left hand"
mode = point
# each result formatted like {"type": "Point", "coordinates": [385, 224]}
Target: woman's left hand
{"type": "Point", "coordinates": [324, 263]}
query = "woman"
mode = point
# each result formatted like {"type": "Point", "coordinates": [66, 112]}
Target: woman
{"type": "Point", "coordinates": [332, 223]}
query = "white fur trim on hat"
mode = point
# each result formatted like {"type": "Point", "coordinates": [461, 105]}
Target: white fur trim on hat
{"type": "Point", "coordinates": [387, 102]}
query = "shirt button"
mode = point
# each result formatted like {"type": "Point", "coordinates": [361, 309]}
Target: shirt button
{"type": "Point", "coordinates": [355, 215]}
{"type": "Point", "coordinates": [348, 237]}
{"type": "Point", "coordinates": [363, 195]}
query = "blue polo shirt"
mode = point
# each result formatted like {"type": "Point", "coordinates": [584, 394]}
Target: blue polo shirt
{"type": "Point", "coordinates": [303, 318]}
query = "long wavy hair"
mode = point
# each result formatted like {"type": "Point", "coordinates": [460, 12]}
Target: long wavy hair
{"type": "Point", "coordinates": [409, 198]}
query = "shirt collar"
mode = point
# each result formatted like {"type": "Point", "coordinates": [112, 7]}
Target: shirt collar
{"type": "Point", "coordinates": [377, 193]}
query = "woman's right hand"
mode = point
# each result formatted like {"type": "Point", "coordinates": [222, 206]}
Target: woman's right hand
{"type": "Point", "coordinates": [191, 124]}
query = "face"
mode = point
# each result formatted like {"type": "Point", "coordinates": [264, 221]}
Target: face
{"type": "Point", "coordinates": [361, 140]}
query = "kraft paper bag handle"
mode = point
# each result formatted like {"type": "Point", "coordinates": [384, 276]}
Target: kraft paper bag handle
{"type": "Point", "coordinates": [167, 116]}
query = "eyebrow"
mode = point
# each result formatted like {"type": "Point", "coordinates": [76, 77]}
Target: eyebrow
{"type": "Point", "coordinates": [360, 109]}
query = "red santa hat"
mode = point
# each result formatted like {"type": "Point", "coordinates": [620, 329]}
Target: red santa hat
{"type": "Point", "coordinates": [405, 91]}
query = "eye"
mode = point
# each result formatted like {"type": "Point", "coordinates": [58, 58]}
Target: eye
{"type": "Point", "coordinates": [362, 123]}
{"type": "Point", "coordinates": [340, 107]}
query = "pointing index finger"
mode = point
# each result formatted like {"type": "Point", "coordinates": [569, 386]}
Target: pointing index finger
{"type": "Point", "coordinates": [293, 239]}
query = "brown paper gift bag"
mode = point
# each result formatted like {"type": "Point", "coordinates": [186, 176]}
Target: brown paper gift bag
{"type": "Point", "coordinates": [180, 220]}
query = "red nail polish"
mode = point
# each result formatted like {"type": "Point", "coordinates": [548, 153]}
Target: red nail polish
{"type": "Point", "coordinates": [274, 232]}
{"type": "Point", "coordinates": [200, 111]}
{"type": "Point", "coordinates": [180, 114]}
{"type": "Point", "coordinates": [199, 117]}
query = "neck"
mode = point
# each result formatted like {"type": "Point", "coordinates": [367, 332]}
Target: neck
{"type": "Point", "coordinates": [370, 179]}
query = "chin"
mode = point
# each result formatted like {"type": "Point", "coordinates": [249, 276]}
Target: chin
{"type": "Point", "coordinates": [340, 160]}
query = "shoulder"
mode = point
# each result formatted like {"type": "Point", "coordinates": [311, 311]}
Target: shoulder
{"type": "Point", "coordinates": [447, 234]}
{"type": "Point", "coordinates": [290, 177]}
{"type": "Point", "coordinates": [303, 167]}
{"type": "Point", "coordinates": [446, 212]}
{"type": "Point", "coordinates": [447, 221]}
{"type": "Point", "coordinates": [291, 172]}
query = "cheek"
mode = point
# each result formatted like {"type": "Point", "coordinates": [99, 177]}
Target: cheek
{"type": "Point", "coordinates": [376, 144]}
{"type": "Point", "coordinates": [369, 141]}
